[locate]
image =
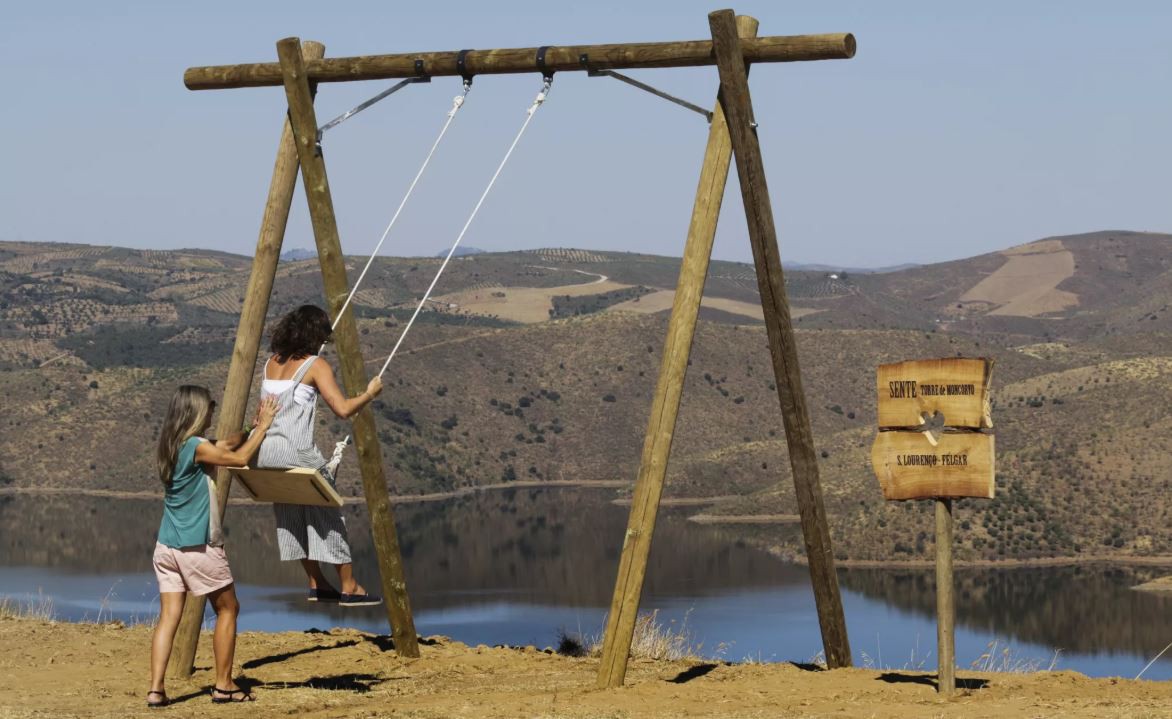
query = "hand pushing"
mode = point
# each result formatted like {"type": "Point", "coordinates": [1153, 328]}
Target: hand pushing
{"type": "Point", "coordinates": [265, 412]}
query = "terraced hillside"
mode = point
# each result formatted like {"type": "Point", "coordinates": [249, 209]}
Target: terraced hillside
{"type": "Point", "coordinates": [540, 366]}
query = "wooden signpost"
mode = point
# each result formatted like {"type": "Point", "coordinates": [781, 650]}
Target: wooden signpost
{"type": "Point", "coordinates": [911, 463]}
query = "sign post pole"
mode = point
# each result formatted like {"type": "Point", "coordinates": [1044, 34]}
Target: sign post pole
{"type": "Point", "coordinates": [912, 463]}
{"type": "Point", "coordinates": [945, 607]}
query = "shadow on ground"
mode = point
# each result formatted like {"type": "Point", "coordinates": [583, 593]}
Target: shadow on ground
{"type": "Point", "coordinates": [929, 680]}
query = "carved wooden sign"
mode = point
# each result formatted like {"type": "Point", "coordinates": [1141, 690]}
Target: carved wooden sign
{"type": "Point", "coordinates": [956, 388]}
{"type": "Point", "coordinates": [912, 463]}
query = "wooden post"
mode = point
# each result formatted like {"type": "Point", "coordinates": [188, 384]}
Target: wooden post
{"type": "Point", "coordinates": [238, 386]}
{"type": "Point", "coordinates": [624, 608]}
{"type": "Point", "coordinates": [333, 269]}
{"type": "Point", "coordinates": [738, 110]}
{"type": "Point", "coordinates": [945, 604]}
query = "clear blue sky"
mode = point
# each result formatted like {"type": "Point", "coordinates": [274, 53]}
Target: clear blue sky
{"type": "Point", "coordinates": [956, 129]}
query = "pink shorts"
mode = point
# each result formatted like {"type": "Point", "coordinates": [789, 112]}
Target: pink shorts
{"type": "Point", "coordinates": [199, 570]}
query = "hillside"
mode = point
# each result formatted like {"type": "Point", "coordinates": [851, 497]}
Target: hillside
{"type": "Point", "coordinates": [540, 366]}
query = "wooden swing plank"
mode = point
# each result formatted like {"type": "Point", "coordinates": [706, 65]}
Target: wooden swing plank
{"type": "Point", "coordinates": [295, 485]}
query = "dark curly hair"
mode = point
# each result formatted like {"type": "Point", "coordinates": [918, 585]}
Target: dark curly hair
{"type": "Point", "coordinates": [300, 333]}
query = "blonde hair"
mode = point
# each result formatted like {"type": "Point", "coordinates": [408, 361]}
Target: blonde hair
{"type": "Point", "coordinates": [189, 411]}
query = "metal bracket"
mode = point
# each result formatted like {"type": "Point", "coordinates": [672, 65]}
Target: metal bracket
{"type": "Point", "coordinates": [462, 68]}
{"type": "Point", "coordinates": [382, 95]}
{"type": "Point", "coordinates": [546, 73]}
{"type": "Point", "coordinates": [584, 61]}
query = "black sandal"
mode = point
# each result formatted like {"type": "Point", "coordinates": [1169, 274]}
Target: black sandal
{"type": "Point", "coordinates": [245, 696]}
{"type": "Point", "coordinates": [156, 705]}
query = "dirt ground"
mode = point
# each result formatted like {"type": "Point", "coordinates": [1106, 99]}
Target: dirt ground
{"type": "Point", "coordinates": [1027, 284]}
{"type": "Point", "coordinates": [60, 670]}
{"type": "Point", "coordinates": [1159, 584]}
{"type": "Point", "coordinates": [661, 301]}
{"type": "Point", "coordinates": [523, 304]}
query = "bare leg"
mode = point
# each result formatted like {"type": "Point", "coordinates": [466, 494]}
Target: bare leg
{"type": "Point", "coordinates": [317, 580]}
{"type": "Point", "coordinates": [346, 576]}
{"type": "Point", "coordinates": [170, 609]}
{"type": "Point", "coordinates": [227, 608]}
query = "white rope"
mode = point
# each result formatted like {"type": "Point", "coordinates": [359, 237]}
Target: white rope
{"type": "Point", "coordinates": [457, 103]}
{"type": "Point", "coordinates": [530, 112]}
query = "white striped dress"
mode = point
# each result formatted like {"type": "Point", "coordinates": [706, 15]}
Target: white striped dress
{"type": "Point", "coordinates": [316, 533]}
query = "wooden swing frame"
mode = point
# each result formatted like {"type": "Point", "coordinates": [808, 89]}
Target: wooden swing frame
{"type": "Point", "coordinates": [733, 47]}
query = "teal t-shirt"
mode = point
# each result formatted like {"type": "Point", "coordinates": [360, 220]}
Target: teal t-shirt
{"type": "Point", "coordinates": [187, 505]}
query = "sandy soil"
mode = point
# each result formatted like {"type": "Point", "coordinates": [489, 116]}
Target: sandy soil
{"type": "Point", "coordinates": [1027, 284]}
{"type": "Point", "coordinates": [523, 304]}
{"type": "Point", "coordinates": [745, 519]}
{"type": "Point", "coordinates": [661, 301]}
{"type": "Point", "coordinates": [1160, 584]}
{"type": "Point", "coordinates": [63, 670]}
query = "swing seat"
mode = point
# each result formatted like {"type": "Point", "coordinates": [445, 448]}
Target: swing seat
{"type": "Point", "coordinates": [294, 485]}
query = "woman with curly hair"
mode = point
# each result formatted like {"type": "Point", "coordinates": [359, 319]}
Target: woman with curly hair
{"type": "Point", "coordinates": [294, 377]}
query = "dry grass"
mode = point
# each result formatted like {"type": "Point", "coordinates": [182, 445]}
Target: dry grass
{"type": "Point", "coordinates": [1027, 284]}
{"type": "Point", "coordinates": [40, 608]}
{"type": "Point", "coordinates": [1000, 657]}
{"type": "Point", "coordinates": [655, 640]}
{"type": "Point", "coordinates": [661, 301]}
{"type": "Point", "coordinates": [527, 305]}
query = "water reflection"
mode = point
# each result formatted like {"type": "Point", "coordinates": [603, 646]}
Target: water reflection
{"type": "Point", "coordinates": [550, 546]}
{"type": "Point", "coordinates": [516, 566]}
{"type": "Point", "coordinates": [1089, 608]}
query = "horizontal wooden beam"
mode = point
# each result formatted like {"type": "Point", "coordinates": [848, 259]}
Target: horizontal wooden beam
{"type": "Point", "coordinates": [692, 53]}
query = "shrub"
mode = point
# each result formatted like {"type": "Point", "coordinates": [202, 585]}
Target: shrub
{"type": "Point", "coordinates": [570, 646]}
{"type": "Point", "coordinates": [399, 415]}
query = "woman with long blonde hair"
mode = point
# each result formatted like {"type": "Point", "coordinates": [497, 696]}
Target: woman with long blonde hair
{"type": "Point", "coordinates": [189, 554]}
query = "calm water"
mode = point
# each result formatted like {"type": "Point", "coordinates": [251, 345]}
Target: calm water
{"type": "Point", "coordinates": [518, 566]}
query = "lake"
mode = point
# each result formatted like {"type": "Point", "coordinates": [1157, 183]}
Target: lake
{"type": "Point", "coordinates": [520, 566]}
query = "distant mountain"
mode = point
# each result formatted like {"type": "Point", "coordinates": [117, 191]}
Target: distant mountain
{"type": "Point", "coordinates": [462, 252]}
{"type": "Point", "coordinates": [838, 269]}
{"type": "Point", "coordinates": [541, 365]}
{"type": "Point", "coordinates": [298, 253]}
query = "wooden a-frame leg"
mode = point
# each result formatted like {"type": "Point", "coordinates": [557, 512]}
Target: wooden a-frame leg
{"type": "Point", "coordinates": [738, 109]}
{"type": "Point", "coordinates": [333, 270]}
{"type": "Point", "coordinates": [238, 386]}
{"type": "Point", "coordinates": [624, 608]}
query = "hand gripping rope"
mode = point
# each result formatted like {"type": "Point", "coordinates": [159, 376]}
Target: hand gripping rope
{"type": "Point", "coordinates": [457, 103]}
{"type": "Point", "coordinates": [547, 80]}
